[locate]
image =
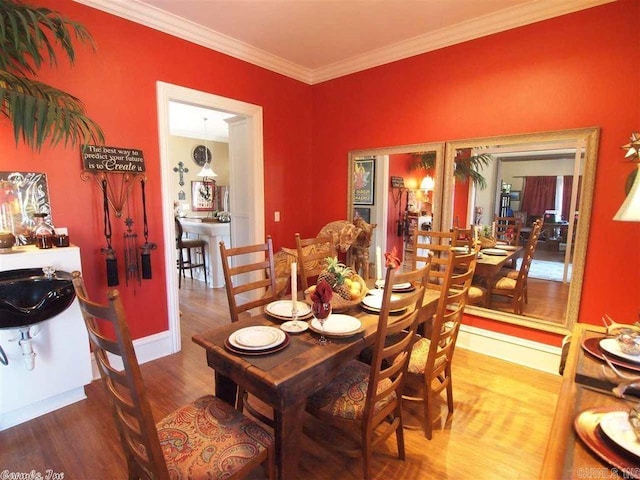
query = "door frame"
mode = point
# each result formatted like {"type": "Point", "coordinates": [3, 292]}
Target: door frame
{"type": "Point", "coordinates": [238, 178]}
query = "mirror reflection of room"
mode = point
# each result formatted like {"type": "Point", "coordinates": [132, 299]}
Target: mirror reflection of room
{"type": "Point", "coordinates": [520, 186]}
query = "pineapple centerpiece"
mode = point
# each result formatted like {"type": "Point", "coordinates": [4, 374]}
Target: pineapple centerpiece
{"type": "Point", "coordinates": [348, 286]}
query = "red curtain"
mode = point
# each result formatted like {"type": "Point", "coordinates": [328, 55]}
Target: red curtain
{"type": "Point", "coordinates": [566, 195]}
{"type": "Point", "coordinates": [539, 195]}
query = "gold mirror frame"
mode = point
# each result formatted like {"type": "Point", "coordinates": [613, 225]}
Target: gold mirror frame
{"type": "Point", "coordinates": [588, 137]}
{"type": "Point", "coordinates": [437, 147]}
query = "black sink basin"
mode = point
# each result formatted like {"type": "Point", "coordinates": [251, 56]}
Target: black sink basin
{"type": "Point", "coordinates": [27, 296]}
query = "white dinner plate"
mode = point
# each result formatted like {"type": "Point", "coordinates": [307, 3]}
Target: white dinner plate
{"type": "Point", "coordinates": [507, 247]}
{"type": "Point", "coordinates": [374, 302]}
{"type": "Point", "coordinates": [257, 338]}
{"type": "Point", "coordinates": [337, 324]}
{"type": "Point", "coordinates": [617, 428]}
{"type": "Point", "coordinates": [610, 345]}
{"type": "Point", "coordinates": [397, 287]}
{"type": "Point", "coordinates": [460, 249]}
{"type": "Point", "coordinates": [282, 308]}
{"type": "Point", "coordinates": [494, 251]}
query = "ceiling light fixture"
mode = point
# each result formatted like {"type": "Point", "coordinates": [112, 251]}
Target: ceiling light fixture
{"type": "Point", "coordinates": [206, 168]}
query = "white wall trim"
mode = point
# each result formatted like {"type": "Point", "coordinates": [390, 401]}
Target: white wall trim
{"type": "Point", "coordinates": [527, 353]}
{"type": "Point", "coordinates": [507, 19]}
{"type": "Point", "coordinates": [147, 349]}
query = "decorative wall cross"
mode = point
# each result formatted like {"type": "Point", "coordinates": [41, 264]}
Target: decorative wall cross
{"type": "Point", "coordinates": [181, 169]}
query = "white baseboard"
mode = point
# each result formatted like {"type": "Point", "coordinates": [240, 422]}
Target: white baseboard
{"type": "Point", "coordinates": [521, 351]}
{"type": "Point", "coordinates": [21, 415]}
{"type": "Point", "coordinates": [147, 349]}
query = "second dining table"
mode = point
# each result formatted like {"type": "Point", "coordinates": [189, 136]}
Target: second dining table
{"type": "Point", "coordinates": [286, 378]}
{"type": "Point", "coordinates": [489, 265]}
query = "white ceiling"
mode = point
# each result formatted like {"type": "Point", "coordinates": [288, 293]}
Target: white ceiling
{"type": "Point", "coordinates": [318, 40]}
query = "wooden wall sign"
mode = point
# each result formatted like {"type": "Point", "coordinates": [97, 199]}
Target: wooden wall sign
{"type": "Point", "coordinates": [101, 158]}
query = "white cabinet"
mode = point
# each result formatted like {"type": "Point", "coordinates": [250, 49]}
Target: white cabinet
{"type": "Point", "coordinates": [63, 359]}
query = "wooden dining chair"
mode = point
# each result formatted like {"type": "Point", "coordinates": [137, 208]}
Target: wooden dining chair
{"type": "Point", "coordinates": [429, 370]}
{"type": "Point", "coordinates": [206, 439]}
{"type": "Point", "coordinates": [440, 244]}
{"type": "Point", "coordinates": [514, 284]}
{"type": "Point", "coordinates": [185, 249]}
{"type": "Point", "coordinates": [250, 282]}
{"type": "Point", "coordinates": [249, 276]}
{"type": "Point", "coordinates": [508, 229]}
{"type": "Point", "coordinates": [312, 253]}
{"type": "Point", "coordinates": [362, 406]}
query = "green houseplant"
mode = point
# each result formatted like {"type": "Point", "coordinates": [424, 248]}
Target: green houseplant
{"type": "Point", "coordinates": [29, 38]}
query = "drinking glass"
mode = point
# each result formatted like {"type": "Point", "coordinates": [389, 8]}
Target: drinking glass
{"type": "Point", "coordinates": [321, 312]}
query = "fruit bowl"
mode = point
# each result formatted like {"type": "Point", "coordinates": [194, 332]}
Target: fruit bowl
{"type": "Point", "coordinates": [339, 304]}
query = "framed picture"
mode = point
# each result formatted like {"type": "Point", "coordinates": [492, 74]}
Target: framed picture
{"type": "Point", "coordinates": [363, 181]}
{"type": "Point", "coordinates": [21, 195]}
{"type": "Point", "coordinates": [203, 195]}
{"type": "Point", "coordinates": [363, 213]}
{"type": "Point", "coordinates": [515, 195]}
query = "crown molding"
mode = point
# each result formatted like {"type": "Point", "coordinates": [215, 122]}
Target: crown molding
{"type": "Point", "coordinates": [520, 15]}
{"type": "Point", "coordinates": [162, 21]}
{"type": "Point", "coordinates": [507, 19]}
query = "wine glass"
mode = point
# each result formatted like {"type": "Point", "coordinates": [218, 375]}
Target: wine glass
{"type": "Point", "coordinates": [321, 312]}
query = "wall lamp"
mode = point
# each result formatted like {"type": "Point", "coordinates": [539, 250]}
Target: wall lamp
{"type": "Point", "coordinates": [630, 209]}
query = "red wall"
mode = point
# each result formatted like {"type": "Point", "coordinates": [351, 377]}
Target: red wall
{"type": "Point", "coordinates": [574, 71]}
{"type": "Point", "coordinates": [118, 86]}
{"type": "Point", "coordinates": [578, 70]}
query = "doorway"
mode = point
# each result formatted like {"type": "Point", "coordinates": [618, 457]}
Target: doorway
{"type": "Point", "coordinates": [246, 178]}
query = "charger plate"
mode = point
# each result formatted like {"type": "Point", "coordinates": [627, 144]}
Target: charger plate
{"type": "Point", "coordinates": [592, 346]}
{"type": "Point", "coordinates": [588, 429]}
{"type": "Point", "coordinates": [255, 353]}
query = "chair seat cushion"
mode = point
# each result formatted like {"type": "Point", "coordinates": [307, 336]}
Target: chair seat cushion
{"type": "Point", "coordinates": [419, 354]}
{"type": "Point", "coordinates": [475, 292]}
{"type": "Point", "coordinates": [209, 439]}
{"type": "Point", "coordinates": [346, 395]}
{"type": "Point", "coordinates": [506, 283]}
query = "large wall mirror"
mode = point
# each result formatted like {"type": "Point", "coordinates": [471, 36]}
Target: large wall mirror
{"type": "Point", "coordinates": [547, 176]}
{"type": "Point", "coordinates": [397, 188]}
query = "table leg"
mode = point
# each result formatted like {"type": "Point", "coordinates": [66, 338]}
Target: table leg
{"type": "Point", "coordinates": [288, 433]}
{"type": "Point", "coordinates": [226, 389]}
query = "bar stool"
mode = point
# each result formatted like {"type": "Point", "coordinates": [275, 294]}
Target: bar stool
{"type": "Point", "coordinates": [184, 246]}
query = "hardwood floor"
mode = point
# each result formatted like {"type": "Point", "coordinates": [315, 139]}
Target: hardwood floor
{"type": "Point", "coordinates": [499, 430]}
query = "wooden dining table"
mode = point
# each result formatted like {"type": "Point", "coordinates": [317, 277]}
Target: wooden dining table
{"type": "Point", "coordinates": [488, 267]}
{"type": "Point", "coordinates": [285, 379]}
{"type": "Point", "coordinates": [586, 388]}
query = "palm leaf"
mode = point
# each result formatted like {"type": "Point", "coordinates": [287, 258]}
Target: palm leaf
{"type": "Point", "coordinates": [30, 37]}
{"type": "Point", "coordinates": [467, 168]}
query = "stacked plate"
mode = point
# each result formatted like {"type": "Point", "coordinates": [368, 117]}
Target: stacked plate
{"type": "Point", "coordinates": [281, 310]}
{"type": "Point", "coordinates": [398, 287]}
{"type": "Point", "coordinates": [259, 340]}
{"type": "Point", "coordinates": [611, 346]}
{"type": "Point", "coordinates": [608, 434]}
{"type": "Point", "coordinates": [494, 251]}
{"type": "Point", "coordinates": [373, 303]}
{"type": "Point", "coordinates": [507, 247]}
{"type": "Point", "coordinates": [337, 325]}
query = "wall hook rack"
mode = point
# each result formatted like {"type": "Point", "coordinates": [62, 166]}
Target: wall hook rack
{"type": "Point", "coordinates": [118, 186]}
